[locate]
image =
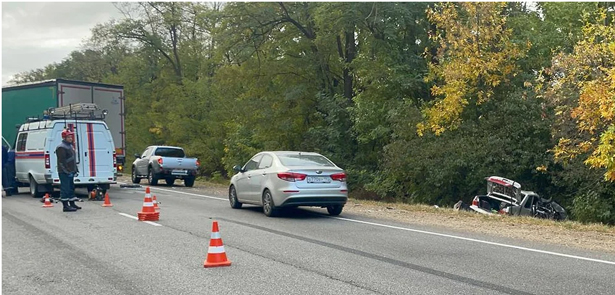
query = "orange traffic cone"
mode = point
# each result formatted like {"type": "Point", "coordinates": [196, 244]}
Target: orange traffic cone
{"type": "Point", "coordinates": [215, 254]}
{"type": "Point", "coordinates": [47, 202]}
{"type": "Point", "coordinates": [156, 208]}
{"type": "Point", "coordinates": [107, 202]}
{"type": "Point", "coordinates": [148, 213]}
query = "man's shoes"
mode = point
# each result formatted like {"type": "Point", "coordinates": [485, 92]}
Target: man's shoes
{"type": "Point", "coordinates": [69, 209]}
{"type": "Point", "coordinates": [72, 204]}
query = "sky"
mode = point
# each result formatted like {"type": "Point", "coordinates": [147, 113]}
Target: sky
{"type": "Point", "coordinates": [35, 34]}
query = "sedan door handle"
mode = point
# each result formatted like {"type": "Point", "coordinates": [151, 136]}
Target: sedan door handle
{"type": "Point", "coordinates": [264, 173]}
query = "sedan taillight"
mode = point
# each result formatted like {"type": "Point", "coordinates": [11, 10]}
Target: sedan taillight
{"type": "Point", "coordinates": [339, 177]}
{"type": "Point", "coordinates": [160, 161]}
{"type": "Point", "coordinates": [475, 201]}
{"type": "Point", "coordinates": [291, 176]}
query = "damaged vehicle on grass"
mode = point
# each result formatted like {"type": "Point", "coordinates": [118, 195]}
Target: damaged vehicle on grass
{"type": "Point", "coordinates": [504, 196]}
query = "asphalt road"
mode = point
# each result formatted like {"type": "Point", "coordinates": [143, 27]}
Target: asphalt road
{"type": "Point", "coordinates": [104, 250]}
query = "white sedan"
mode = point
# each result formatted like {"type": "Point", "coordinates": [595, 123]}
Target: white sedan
{"type": "Point", "coordinates": [281, 179]}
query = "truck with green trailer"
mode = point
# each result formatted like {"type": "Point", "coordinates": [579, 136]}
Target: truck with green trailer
{"type": "Point", "coordinates": [23, 101]}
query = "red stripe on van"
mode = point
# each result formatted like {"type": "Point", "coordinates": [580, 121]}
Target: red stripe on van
{"type": "Point", "coordinates": [92, 155]}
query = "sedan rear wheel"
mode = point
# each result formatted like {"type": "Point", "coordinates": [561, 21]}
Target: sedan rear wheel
{"type": "Point", "coordinates": [268, 205]}
{"type": "Point", "coordinates": [232, 197]}
{"type": "Point", "coordinates": [335, 210]}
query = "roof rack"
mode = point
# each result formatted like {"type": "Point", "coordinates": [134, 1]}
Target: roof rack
{"type": "Point", "coordinates": [82, 110]}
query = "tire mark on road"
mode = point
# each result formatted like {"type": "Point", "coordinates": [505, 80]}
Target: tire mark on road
{"type": "Point", "coordinates": [423, 269]}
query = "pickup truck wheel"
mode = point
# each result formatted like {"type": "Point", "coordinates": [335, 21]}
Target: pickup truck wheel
{"type": "Point", "coordinates": [268, 206]}
{"type": "Point", "coordinates": [34, 192]}
{"type": "Point", "coordinates": [170, 181]}
{"type": "Point", "coordinates": [335, 210]}
{"type": "Point", "coordinates": [189, 182]}
{"type": "Point", "coordinates": [232, 197]}
{"type": "Point", "coordinates": [135, 179]}
{"type": "Point", "coordinates": [151, 178]}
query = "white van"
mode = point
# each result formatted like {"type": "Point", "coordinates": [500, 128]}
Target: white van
{"type": "Point", "coordinates": [36, 162]}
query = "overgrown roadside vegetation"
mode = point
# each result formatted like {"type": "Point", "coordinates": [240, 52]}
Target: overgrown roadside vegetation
{"type": "Point", "coordinates": [417, 101]}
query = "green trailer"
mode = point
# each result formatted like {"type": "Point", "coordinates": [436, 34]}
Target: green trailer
{"type": "Point", "coordinates": [20, 102]}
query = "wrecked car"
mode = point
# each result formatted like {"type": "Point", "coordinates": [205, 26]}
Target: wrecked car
{"type": "Point", "coordinates": [504, 196]}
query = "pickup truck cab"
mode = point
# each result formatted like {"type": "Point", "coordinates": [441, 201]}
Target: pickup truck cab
{"type": "Point", "coordinates": [164, 162]}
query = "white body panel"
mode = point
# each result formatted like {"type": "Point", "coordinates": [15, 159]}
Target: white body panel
{"type": "Point", "coordinates": [106, 98]}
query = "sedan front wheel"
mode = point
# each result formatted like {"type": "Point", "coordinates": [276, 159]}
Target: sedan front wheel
{"type": "Point", "coordinates": [232, 197]}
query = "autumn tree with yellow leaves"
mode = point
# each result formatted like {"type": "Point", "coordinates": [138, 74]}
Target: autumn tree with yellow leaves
{"type": "Point", "coordinates": [475, 55]}
{"type": "Point", "coordinates": [583, 93]}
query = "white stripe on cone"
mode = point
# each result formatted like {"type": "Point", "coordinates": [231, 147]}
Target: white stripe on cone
{"type": "Point", "coordinates": [216, 250]}
{"type": "Point", "coordinates": [215, 235]}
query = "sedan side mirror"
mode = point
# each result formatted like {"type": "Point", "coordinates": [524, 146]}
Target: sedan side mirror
{"type": "Point", "coordinates": [137, 156]}
{"type": "Point", "coordinates": [237, 168]}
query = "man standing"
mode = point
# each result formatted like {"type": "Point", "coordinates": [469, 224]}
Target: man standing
{"type": "Point", "coordinates": [5, 174]}
{"type": "Point", "coordinates": [67, 167]}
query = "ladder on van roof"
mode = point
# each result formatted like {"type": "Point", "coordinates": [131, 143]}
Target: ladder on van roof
{"type": "Point", "coordinates": [83, 110]}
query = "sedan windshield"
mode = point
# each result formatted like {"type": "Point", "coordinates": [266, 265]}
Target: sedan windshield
{"type": "Point", "coordinates": [304, 160]}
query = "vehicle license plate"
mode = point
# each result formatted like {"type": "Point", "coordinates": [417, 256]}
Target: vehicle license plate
{"type": "Point", "coordinates": [318, 179]}
{"type": "Point", "coordinates": [179, 172]}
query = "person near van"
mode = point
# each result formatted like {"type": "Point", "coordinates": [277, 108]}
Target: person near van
{"type": "Point", "coordinates": [5, 173]}
{"type": "Point", "coordinates": [67, 168]}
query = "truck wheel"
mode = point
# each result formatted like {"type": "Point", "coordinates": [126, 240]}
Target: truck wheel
{"type": "Point", "coordinates": [170, 181]}
{"type": "Point", "coordinates": [189, 182]}
{"type": "Point", "coordinates": [34, 192]}
{"type": "Point", "coordinates": [135, 179]}
{"type": "Point", "coordinates": [151, 178]}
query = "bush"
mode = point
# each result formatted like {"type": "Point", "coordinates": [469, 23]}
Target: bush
{"type": "Point", "coordinates": [592, 206]}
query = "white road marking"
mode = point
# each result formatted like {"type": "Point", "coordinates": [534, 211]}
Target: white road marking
{"type": "Point", "coordinates": [190, 194]}
{"type": "Point", "coordinates": [429, 233]}
{"type": "Point", "coordinates": [136, 218]}
{"type": "Point", "coordinates": [478, 241]}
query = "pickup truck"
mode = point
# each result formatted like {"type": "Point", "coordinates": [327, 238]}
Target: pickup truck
{"type": "Point", "coordinates": [505, 196]}
{"type": "Point", "coordinates": [164, 162]}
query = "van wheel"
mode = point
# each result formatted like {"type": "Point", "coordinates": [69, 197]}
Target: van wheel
{"type": "Point", "coordinates": [151, 178]}
{"type": "Point", "coordinates": [135, 179]}
{"type": "Point", "coordinates": [34, 188]}
{"type": "Point", "coordinates": [189, 182]}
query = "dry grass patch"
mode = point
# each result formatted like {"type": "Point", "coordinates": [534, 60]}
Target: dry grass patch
{"type": "Point", "coordinates": [597, 237]}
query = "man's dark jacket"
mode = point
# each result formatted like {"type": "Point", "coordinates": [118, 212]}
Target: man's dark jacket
{"type": "Point", "coordinates": [67, 162]}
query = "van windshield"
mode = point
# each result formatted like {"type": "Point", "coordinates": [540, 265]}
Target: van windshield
{"type": "Point", "coordinates": [169, 152]}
